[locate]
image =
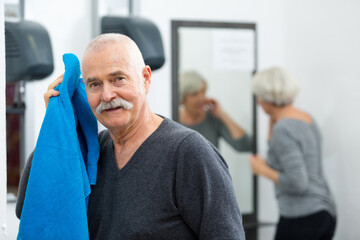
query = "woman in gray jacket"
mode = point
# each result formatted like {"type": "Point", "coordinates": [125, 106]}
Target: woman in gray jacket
{"type": "Point", "coordinates": [294, 161]}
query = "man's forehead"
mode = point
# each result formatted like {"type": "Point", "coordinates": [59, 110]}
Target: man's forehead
{"type": "Point", "coordinates": [106, 68]}
{"type": "Point", "coordinates": [109, 55]}
{"type": "Point", "coordinates": [100, 60]}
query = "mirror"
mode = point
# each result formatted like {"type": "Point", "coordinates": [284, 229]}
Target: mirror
{"type": "Point", "coordinates": [215, 60]}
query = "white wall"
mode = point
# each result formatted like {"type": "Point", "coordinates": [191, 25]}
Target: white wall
{"type": "Point", "coordinates": [322, 49]}
{"type": "Point", "coordinates": [316, 40]}
{"type": "Point", "coordinates": [3, 212]}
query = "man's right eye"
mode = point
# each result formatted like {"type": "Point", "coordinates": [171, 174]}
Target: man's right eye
{"type": "Point", "coordinates": [94, 85]}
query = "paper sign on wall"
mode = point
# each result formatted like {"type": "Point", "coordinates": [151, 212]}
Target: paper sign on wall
{"type": "Point", "coordinates": [233, 49]}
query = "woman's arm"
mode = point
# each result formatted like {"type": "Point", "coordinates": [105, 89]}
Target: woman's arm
{"type": "Point", "coordinates": [235, 130]}
{"type": "Point", "coordinates": [293, 177]}
{"type": "Point", "coordinates": [259, 167]}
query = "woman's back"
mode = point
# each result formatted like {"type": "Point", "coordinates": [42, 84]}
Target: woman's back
{"type": "Point", "coordinates": [295, 151]}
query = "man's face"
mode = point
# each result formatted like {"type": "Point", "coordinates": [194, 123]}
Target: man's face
{"type": "Point", "coordinates": [108, 74]}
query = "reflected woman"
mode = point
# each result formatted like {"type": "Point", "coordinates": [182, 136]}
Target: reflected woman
{"type": "Point", "coordinates": [206, 116]}
{"type": "Point", "coordinates": [294, 161]}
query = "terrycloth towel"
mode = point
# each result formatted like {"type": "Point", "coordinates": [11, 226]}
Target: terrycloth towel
{"type": "Point", "coordinates": [64, 164]}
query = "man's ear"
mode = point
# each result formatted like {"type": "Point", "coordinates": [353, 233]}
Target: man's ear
{"type": "Point", "coordinates": [146, 73]}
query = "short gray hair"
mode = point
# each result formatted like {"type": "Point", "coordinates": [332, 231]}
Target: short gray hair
{"type": "Point", "coordinates": [131, 47]}
{"type": "Point", "coordinates": [189, 83]}
{"type": "Point", "coordinates": [275, 85]}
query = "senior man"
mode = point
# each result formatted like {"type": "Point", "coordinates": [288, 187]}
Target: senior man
{"type": "Point", "coordinates": [156, 179]}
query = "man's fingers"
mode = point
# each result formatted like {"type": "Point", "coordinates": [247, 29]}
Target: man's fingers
{"type": "Point", "coordinates": [50, 93]}
{"type": "Point", "coordinates": [56, 82]}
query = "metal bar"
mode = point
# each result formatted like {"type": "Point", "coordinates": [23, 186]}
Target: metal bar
{"type": "Point", "coordinates": [22, 9]}
{"type": "Point", "coordinates": [131, 7]}
{"type": "Point", "coordinates": [95, 31]}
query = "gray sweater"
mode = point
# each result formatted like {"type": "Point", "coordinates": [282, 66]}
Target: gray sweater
{"type": "Point", "coordinates": [295, 151]}
{"type": "Point", "coordinates": [175, 186]}
{"type": "Point", "coordinates": [213, 129]}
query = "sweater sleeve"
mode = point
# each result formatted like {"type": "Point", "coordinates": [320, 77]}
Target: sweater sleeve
{"type": "Point", "coordinates": [23, 185]}
{"type": "Point", "coordinates": [293, 177]}
{"type": "Point", "coordinates": [204, 191]}
{"type": "Point", "coordinates": [242, 144]}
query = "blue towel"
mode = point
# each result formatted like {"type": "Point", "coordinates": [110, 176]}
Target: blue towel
{"type": "Point", "coordinates": [64, 164]}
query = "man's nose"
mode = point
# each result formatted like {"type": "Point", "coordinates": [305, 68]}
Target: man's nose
{"type": "Point", "coordinates": [108, 93]}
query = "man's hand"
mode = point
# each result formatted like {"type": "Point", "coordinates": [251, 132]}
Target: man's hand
{"type": "Point", "coordinates": [51, 92]}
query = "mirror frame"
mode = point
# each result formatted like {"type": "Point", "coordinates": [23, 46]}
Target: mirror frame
{"type": "Point", "coordinates": [249, 220]}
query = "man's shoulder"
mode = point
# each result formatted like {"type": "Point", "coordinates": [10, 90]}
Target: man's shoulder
{"type": "Point", "coordinates": [169, 130]}
{"type": "Point", "coordinates": [173, 127]}
{"type": "Point", "coordinates": [172, 133]}
{"type": "Point", "coordinates": [185, 136]}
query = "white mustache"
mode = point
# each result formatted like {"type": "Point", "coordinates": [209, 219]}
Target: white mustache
{"type": "Point", "coordinates": [115, 103]}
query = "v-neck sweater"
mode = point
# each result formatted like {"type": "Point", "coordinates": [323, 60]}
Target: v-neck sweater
{"type": "Point", "coordinates": [175, 186]}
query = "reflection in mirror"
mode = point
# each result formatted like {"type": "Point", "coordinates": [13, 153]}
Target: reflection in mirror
{"type": "Point", "coordinates": [212, 69]}
{"type": "Point", "coordinates": [205, 115]}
